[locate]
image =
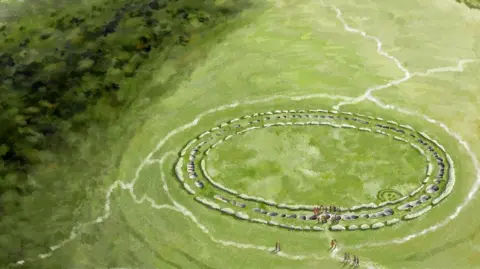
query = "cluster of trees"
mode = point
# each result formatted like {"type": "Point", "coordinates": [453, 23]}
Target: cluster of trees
{"type": "Point", "coordinates": [55, 65]}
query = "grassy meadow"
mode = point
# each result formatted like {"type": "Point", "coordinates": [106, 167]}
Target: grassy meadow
{"type": "Point", "coordinates": [105, 195]}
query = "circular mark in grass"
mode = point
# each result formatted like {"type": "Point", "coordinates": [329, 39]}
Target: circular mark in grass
{"type": "Point", "coordinates": [389, 195]}
{"type": "Point", "coordinates": [191, 171]}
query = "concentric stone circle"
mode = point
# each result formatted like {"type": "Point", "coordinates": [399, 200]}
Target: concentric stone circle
{"type": "Point", "coordinates": [191, 171]}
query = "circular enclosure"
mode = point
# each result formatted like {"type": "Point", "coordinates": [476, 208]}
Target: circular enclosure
{"type": "Point", "coordinates": [226, 189]}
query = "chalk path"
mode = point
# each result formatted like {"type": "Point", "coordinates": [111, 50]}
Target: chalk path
{"type": "Point", "coordinates": [407, 75]}
{"type": "Point", "coordinates": [345, 101]}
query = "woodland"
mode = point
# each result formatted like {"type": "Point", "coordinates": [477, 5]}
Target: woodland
{"type": "Point", "coordinates": [67, 72]}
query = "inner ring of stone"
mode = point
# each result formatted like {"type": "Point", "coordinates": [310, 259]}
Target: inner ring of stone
{"type": "Point", "coordinates": [205, 142]}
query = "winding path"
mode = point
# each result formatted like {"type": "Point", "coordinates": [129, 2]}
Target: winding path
{"type": "Point", "coordinates": [129, 186]}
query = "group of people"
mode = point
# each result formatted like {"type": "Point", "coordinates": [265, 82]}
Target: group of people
{"type": "Point", "coordinates": [325, 209]}
{"type": "Point", "coordinates": [355, 262]}
{"type": "Point", "coordinates": [346, 256]}
{"type": "Point", "coordinates": [333, 246]}
{"type": "Point", "coordinates": [325, 217]}
{"type": "Point", "coordinates": [334, 219]}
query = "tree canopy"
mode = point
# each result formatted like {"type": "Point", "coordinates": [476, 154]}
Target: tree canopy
{"type": "Point", "coordinates": [58, 64]}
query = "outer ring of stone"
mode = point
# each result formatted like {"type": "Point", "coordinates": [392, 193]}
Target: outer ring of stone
{"type": "Point", "coordinates": [390, 125]}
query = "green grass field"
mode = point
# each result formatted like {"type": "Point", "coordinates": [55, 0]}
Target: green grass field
{"type": "Point", "coordinates": [316, 165]}
{"type": "Point", "coordinates": [411, 62]}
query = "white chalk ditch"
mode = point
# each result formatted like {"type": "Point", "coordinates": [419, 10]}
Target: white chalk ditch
{"type": "Point", "coordinates": [457, 137]}
{"type": "Point", "coordinates": [201, 147]}
{"type": "Point", "coordinates": [129, 186]}
{"type": "Point", "coordinates": [367, 95]}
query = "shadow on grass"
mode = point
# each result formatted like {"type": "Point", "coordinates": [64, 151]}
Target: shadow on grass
{"type": "Point", "coordinates": [132, 231]}
{"type": "Point", "coordinates": [82, 185]}
{"type": "Point", "coordinates": [434, 251]}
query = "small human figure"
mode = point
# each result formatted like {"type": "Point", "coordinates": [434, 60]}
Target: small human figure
{"type": "Point", "coordinates": [277, 246]}
{"type": "Point", "coordinates": [333, 244]}
{"type": "Point", "coordinates": [346, 258]}
{"type": "Point", "coordinates": [357, 263]}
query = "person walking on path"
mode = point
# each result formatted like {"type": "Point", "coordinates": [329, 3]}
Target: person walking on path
{"type": "Point", "coordinates": [346, 257]}
{"type": "Point", "coordinates": [277, 246]}
{"type": "Point", "coordinates": [333, 244]}
{"type": "Point", "coordinates": [355, 261]}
